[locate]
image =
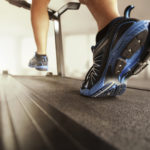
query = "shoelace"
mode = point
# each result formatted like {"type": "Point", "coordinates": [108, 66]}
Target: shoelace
{"type": "Point", "coordinates": [43, 58]}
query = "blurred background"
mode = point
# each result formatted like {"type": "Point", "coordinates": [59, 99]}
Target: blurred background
{"type": "Point", "coordinates": [17, 45]}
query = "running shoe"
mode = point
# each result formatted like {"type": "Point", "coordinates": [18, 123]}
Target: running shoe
{"type": "Point", "coordinates": [121, 50]}
{"type": "Point", "coordinates": [39, 62]}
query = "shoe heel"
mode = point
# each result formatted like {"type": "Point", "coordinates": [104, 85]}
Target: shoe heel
{"type": "Point", "coordinates": [134, 45]}
{"type": "Point", "coordinates": [143, 63]}
{"type": "Point", "coordinates": [146, 53]}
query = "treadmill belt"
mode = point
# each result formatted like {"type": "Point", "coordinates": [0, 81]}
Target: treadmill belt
{"type": "Point", "coordinates": [45, 113]}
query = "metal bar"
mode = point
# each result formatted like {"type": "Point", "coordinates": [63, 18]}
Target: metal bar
{"type": "Point", "coordinates": [58, 35]}
{"type": "Point", "coordinates": [68, 6]}
{"type": "Point", "coordinates": [59, 47]}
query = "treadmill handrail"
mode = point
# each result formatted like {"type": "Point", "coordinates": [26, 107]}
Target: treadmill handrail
{"type": "Point", "coordinates": [26, 5]}
{"type": "Point", "coordinates": [52, 14]}
{"type": "Point", "coordinates": [68, 6]}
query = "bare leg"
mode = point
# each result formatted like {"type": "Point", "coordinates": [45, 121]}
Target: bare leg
{"type": "Point", "coordinates": [40, 24]}
{"type": "Point", "coordinates": [103, 11]}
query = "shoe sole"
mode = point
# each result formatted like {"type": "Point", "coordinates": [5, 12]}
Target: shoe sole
{"type": "Point", "coordinates": [111, 90]}
{"type": "Point", "coordinates": [120, 61]}
{"type": "Point", "coordinates": [40, 68]}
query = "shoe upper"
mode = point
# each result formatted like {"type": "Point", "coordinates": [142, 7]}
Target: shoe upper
{"type": "Point", "coordinates": [105, 41]}
{"type": "Point", "coordinates": [38, 61]}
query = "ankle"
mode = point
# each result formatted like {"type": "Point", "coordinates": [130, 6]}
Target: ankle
{"type": "Point", "coordinates": [41, 53]}
{"type": "Point", "coordinates": [103, 23]}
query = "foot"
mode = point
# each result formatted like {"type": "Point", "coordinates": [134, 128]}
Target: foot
{"type": "Point", "coordinates": [39, 62]}
{"type": "Point", "coordinates": [121, 51]}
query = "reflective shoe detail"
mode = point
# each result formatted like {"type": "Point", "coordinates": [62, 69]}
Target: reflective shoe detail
{"type": "Point", "coordinates": [139, 61]}
{"type": "Point", "coordinates": [42, 68]}
{"type": "Point", "coordinates": [39, 62]}
{"type": "Point", "coordinates": [123, 53]}
{"type": "Point", "coordinates": [131, 48]}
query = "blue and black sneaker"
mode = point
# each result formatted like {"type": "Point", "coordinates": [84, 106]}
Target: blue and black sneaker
{"type": "Point", "coordinates": [39, 62]}
{"type": "Point", "coordinates": [122, 50]}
